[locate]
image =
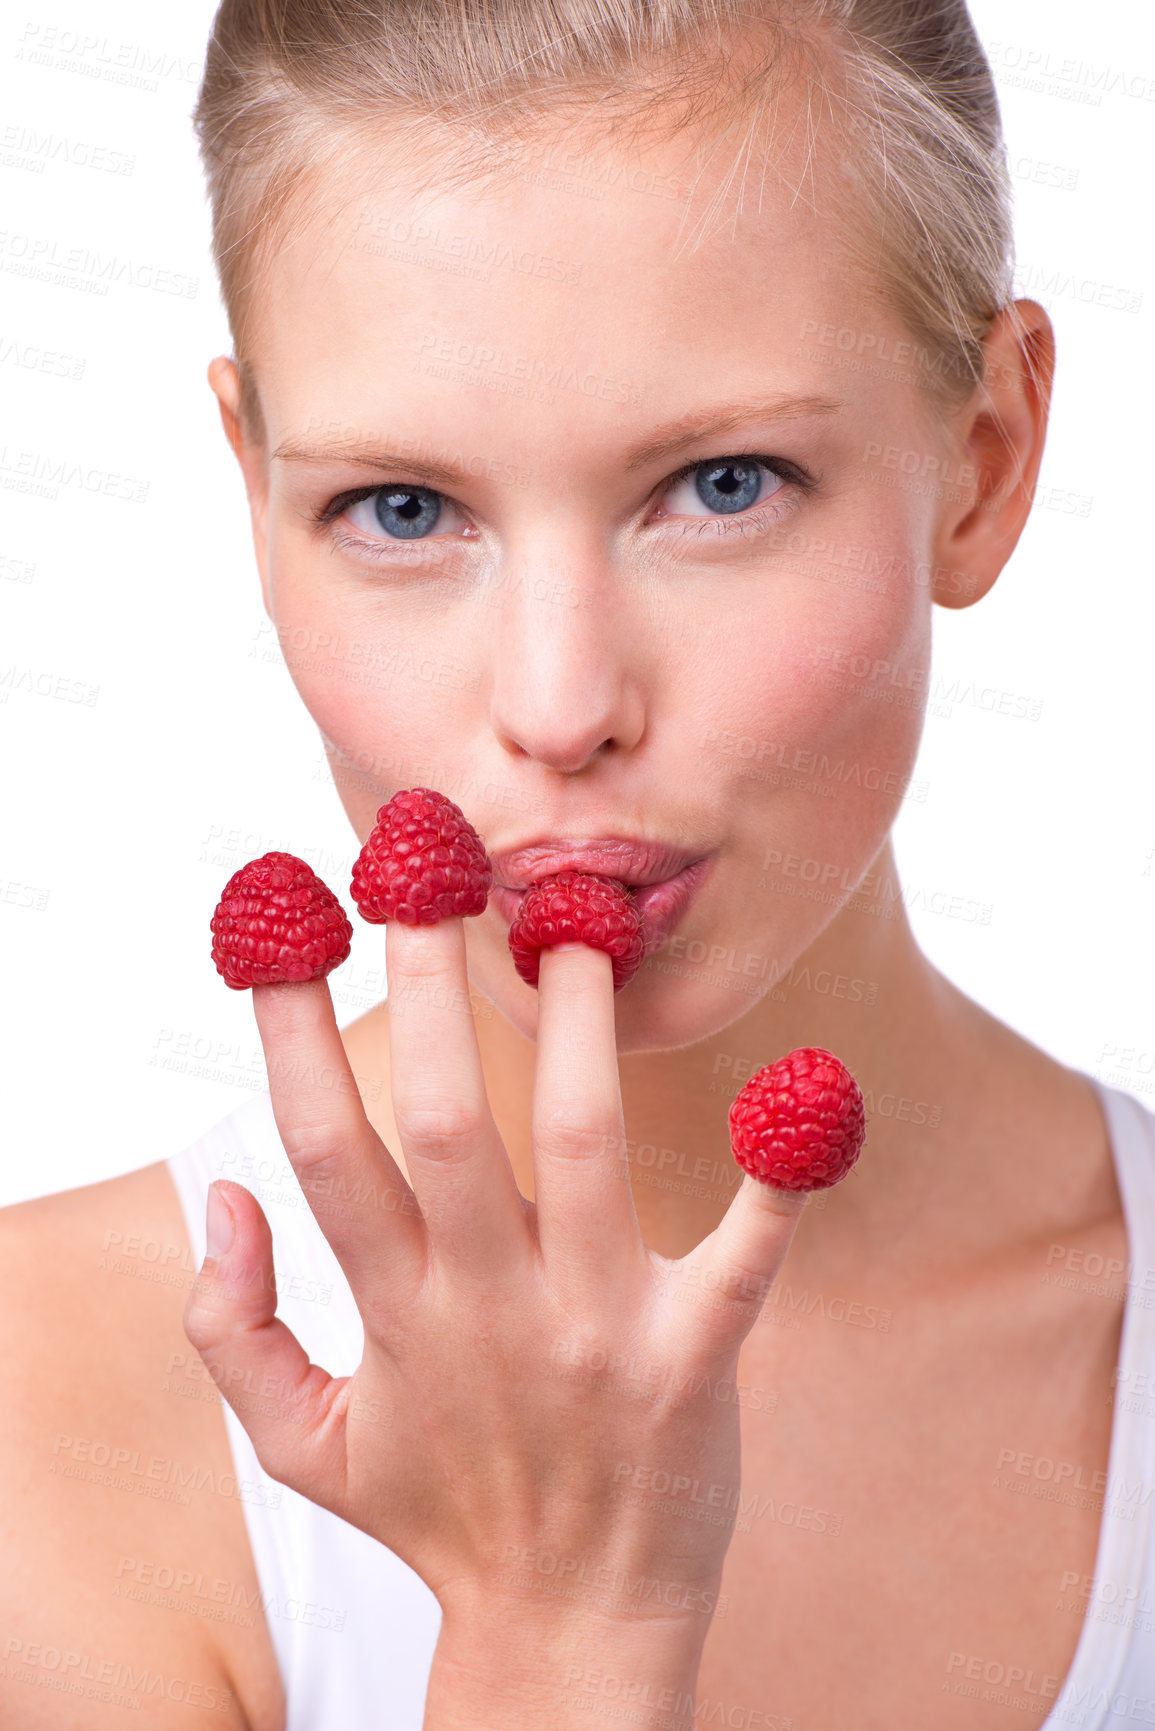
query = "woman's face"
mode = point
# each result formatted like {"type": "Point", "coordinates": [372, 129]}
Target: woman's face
{"type": "Point", "coordinates": [612, 541]}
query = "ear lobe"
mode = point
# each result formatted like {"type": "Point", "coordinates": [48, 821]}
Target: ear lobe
{"type": "Point", "coordinates": [1003, 434]}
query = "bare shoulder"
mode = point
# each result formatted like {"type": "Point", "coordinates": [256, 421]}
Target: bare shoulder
{"type": "Point", "coordinates": [129, 1577]}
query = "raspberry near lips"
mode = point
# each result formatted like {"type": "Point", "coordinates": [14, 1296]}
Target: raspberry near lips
{"type": "Point", "coordinates": [276, 922]}
{"type": "Point", "coordinates": [422, 863]}
{"type": "Point", "coordinates": [577, 907]}
{"type": "Point", "coordinates": [799, 1124]}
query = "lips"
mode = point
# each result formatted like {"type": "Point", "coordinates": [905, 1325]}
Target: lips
{"type": "Point", "coordinates": [664, 879]}
{"type": "Point", "coordinates": [634, 862]}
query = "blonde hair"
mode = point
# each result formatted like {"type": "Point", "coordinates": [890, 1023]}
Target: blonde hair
{"type": "Point", "coordinates": [290, 85]}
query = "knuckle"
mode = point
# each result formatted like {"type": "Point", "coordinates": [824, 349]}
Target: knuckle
{"type": "Point", "coordinates": [204, 1325]}
{"type": "Point", "coordinates": [592, 1350]}
{"type": "Point", "coordinates": [720, 1299]}
{"type": "Point", "coordinates": [560, 1135]}
{"type": "Point", "coordinates": [314, 1152]}
{"type": "Point", "coordinates": [742, 1282]}
{"type": "Point", "coordinates": [442, 1131]}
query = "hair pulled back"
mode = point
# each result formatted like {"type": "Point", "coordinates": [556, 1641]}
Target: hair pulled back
{"type": "Point", "coordinates": [291, 87]}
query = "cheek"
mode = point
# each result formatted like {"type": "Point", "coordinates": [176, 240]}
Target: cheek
{"type": "Point", "coordinates": [815, 729]}
{"type": "Point", "coordinates": [855, 681]}
{"type": "Point", "coordinates": [392, 703]}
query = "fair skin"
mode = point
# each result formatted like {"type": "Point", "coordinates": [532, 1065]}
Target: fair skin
{"type": "Point", "coordinates": [599, 702]}
{"type": "Point", "coordinates": [601, 710]}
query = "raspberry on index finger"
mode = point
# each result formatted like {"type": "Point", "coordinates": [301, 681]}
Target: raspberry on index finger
{"type": "Point", "coordinates": [278, 921]}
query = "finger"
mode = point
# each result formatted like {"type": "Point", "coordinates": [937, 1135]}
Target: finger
{"type": "Point", "coordinates": [293, 1411]}
{"type": "Point", "coordinates": [356, 1191]}
{"type": "Point", "coordinates": [587, 1224]}
{"type": "Point", "coordinates": [732, 1270]}
{"type": "Point", "coordinates": [474, 1213]}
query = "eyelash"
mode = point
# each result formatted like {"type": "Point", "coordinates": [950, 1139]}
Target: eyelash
{"type": "Point", "coordinates": [738, 523]}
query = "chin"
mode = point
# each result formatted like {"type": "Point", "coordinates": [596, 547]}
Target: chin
{"type": "Point", "coordinates": [662, 1008]}
{"type": "Point", "coordinates": [665, 1006]}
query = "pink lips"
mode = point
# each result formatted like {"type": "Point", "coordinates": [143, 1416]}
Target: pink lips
{"type": "Point", "coordinates": [664, 879]}
{"type": "Point", "coordinates": [662, 905]}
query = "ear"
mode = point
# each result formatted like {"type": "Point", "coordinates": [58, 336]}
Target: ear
{"type": "Point", "coordinates": [226, 386]}
{"type": "Point", "coordinates": [1002, 433]}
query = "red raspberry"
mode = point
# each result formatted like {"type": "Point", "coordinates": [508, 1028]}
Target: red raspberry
{"type": "Point", "coordinates": [423, 862]}
{"type": "Point", "coordinates": [577, 907]}
{"type": "Point", "coordinates": [277, 921]}
{"type": "Point", "coordinates": [799, 1124]}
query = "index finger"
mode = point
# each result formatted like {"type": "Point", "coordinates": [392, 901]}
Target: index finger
{"type": "Point", "coordinates": [350, 1180]}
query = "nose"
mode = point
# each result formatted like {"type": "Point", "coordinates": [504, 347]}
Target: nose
{"type": "Point", "coordinates": [567, 664]}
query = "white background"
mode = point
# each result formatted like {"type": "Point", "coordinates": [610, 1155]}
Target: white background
{"type": "Point", "coordinates": [124, 815]}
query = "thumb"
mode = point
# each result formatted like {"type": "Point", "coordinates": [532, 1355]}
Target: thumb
{"type": "Point", "coordinates": [292, 1410]}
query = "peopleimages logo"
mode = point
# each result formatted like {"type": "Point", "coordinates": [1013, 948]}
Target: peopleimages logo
{"type": "Point", "coordinates": [103, 57]}
{"type": "Point", "coordinates": [1093, 1698]}
{"type": "Point", "coordinates": [1078, 80]}
{"type": "Point", "coordinates": [971, 1669]}
{"type": "Point", "coordinates": [34, 359]}
{"type": "Point", "coordinates": [483, 358]}
{"type": "Point", "coordinates": [25, 147]}
{"type": "Point", "coordinates": [47, 259]}
{"type": "Point", "coordinates": [43, 474]}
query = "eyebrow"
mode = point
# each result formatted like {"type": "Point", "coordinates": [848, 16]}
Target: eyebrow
{"type": "Point", "coordinates": [667, 442]}
{"type": "Point", "coordinates": [705, 423]}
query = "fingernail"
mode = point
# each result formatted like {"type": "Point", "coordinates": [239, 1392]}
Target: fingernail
{"type": "Point", "coordinates": [220, 1226]}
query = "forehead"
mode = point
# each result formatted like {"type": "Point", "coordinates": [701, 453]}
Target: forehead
{"type": "Point", "coordinates": [612, 278]}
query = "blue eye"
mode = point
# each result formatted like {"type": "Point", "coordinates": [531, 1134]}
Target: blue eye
{"type": "Point", "coordinates": [723, 484]}
{"type": "Point", "coordinates": [407, 512]}
{"type": "Point", "coordinates": [715, 490]}
{"type": "Point", "coordinates": [728, 486]}
{"type": "Point", "coordinates": [402, 512]}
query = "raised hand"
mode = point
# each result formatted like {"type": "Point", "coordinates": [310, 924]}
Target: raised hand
{"type": "Point", "coordinates": [466, 1441]}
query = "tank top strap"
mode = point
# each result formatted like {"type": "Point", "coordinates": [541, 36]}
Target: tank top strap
{"type": "Point", "coordinates": [1112, 1677]}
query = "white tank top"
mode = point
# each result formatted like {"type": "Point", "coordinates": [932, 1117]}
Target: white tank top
{"type": "Point", "coordinates": [354, 1628]}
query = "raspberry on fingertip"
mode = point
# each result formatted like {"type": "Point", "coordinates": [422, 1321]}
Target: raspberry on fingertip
{"type": "Point", "coordinates": [276, 922]}
{"type": "Point", "coordinates": [800, 1123]}
{"type": "Point", "coordinates": [423, 862]}
{"type": "Point", "coordinates": [577, 907]}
